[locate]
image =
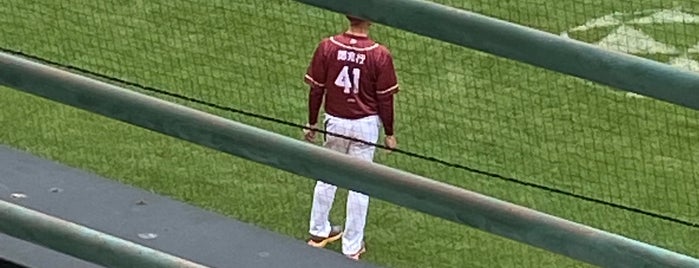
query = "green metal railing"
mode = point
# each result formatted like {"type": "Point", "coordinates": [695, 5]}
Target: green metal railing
{"type": "Point", "coordinates": [460, 27]}
{"type": "Point", "coordinates": [455, 204]}
{"type": "Point", "coordinates": [535, 47]}
{"type": "Point", "coordinates": [80, 241]}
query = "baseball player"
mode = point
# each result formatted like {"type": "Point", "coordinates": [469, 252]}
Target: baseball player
{"type": "Point", "coordinates": [355, 77]}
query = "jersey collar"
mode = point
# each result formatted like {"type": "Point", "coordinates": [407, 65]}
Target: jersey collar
{"type": "Point", "coordinates": [355, 36]}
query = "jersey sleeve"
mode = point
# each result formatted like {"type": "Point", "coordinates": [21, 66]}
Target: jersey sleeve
{"type": "Point", "coordinates": [315, 74]}
{"type": "Point", "coordinates": [386, 80]}
{"type": "Point", "coordinates": [386, 87]}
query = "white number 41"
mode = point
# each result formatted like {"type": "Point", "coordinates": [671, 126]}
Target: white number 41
{"type": "Point", "coordinates": [343, 80]}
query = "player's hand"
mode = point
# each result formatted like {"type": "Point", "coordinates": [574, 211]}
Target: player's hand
{"type": "Point", "coordinates": [391, 142]}
{"type": "Point", "coordinates": [310, 134]}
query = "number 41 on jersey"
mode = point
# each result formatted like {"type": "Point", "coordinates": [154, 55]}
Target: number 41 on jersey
{"type": "Point", "coordinates": [349, 81]}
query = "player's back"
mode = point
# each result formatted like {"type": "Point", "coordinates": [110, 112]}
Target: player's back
{"type": "Point", "coordinates": [353, 66]}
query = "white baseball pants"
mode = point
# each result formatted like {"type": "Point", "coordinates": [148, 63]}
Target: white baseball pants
{"type": "Point", "coordinates": [366, 129]}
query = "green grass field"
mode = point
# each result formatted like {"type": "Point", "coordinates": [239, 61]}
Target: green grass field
{"type": "Point", "coordinates": [457, 105]}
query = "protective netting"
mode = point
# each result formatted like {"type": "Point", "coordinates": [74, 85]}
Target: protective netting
{"type": "Point", "coordinates": [586, 144]}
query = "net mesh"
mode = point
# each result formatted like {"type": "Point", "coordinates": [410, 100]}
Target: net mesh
{"type": "Point", "coordinates": [538, 130]}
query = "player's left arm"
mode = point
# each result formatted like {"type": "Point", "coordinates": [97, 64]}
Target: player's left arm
{"type": "Point", "coordinates": [386, 88]}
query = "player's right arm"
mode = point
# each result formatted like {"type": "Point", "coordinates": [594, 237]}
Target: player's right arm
{"type": "Point", "coordinates": [315, 77]}
{"type": "Point", "coordinates": [386, 88]}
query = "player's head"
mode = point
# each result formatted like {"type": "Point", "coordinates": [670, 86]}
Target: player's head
{"type": "Point", "coordinates": [358, 22]}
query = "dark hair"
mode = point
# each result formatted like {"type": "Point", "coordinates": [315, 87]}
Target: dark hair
{"type": "Point", "coordinates": [355, 20]}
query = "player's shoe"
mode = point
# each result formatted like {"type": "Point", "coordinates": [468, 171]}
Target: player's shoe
{"type": "Point", "coordinates": [355, 256]}
{"type": "Point", "coordinates": [321, 242]}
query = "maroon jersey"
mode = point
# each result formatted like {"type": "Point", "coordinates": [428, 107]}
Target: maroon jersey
{"type": "Point", "coordinates": [357, 77]}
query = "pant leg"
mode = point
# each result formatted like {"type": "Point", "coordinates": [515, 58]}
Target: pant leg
{"type": "Point", "coordinates": [323, 197]}
{"type": "Point", "coordinates": [358, 203]}
{"type": "Point", "coordinates": [324, 193]}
